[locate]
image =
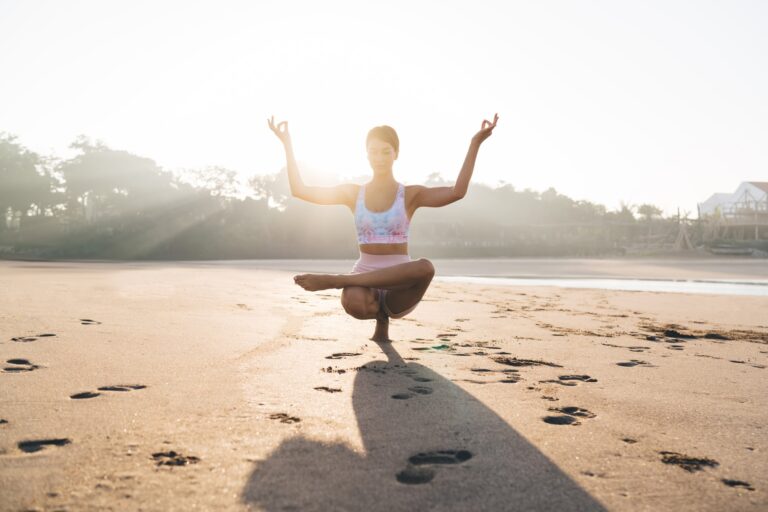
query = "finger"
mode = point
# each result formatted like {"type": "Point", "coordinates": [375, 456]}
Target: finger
{"type": "Point", "coordinates": [495, 119]}
{"type": "Point", "coordinates": [283, 126]}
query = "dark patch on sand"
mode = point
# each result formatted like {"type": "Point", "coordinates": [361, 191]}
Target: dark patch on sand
{"type": "Point", "coordinates": [634, 362]}
{"type": "Point", "coordinates": [84, 395]}
{"type": "Point", "coordinates": [173, 458]}
{"type": "Point", "coordinates": [20, 365]}
{"type": "Point", "coordinates": [122, 387]}
{"type": "Point", "coordinates": [27, 339]}
{"type": "Point", "coordinates": [284, 418]}
{"type": "Point", "coordinates": [415, 475]}
{"type": "Point", "coordinates": [402, 396]}
{"type": "Point", "coordinates": [340, 355]}
{"type": "Point", "coordinates": [561, 420]}
{"type": "Point", "coordinates": [440, 457]}
{"type": "Point", "coordinates": [571, 410]}
{"type": "Point", "coordinates": [583, 378]}
{"type": "Point", "coordinates": [690, 464]}
{"type": "Point", "coordinates": [329, 390]}
{"type": "Point", "coordinates": [680, 332]}
{"type": "Point", "coordinates": [421, 390]}
{"type": "Point", "coordinates": [629, 440]}
{"type": "Point", "coordinates": [39, 444]}
{"type": "Point", "coordinates": [88, 321]}
{"type": "Point", "coordinates": [738, 483]}
{"type": "Point", "coordinates": [331, 369]}
{"type": "Point", "coordinates": [631, 348]}
{"type": "Point", "coordinates": [513, 361]}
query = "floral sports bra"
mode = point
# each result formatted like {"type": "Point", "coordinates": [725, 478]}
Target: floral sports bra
{"type": "Point", "coordinates": [389, 227]}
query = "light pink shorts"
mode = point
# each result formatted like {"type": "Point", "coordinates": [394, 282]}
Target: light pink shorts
{"type": "Point", "coordinates": [368, 262]}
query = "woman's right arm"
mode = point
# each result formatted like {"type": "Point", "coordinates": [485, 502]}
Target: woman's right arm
{"type": "Point", "coordinates": [340, 194]}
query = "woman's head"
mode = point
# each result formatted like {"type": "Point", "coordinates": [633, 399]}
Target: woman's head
{"type": "Point", "coordinates": [382, 145]}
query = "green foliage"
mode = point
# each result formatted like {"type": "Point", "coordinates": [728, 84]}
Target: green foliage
{"type": "Point", "coordinates": [107, 203]}
{"type": "Point", "coordinates": [25, 181]}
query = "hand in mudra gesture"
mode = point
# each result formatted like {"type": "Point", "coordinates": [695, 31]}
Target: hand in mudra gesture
{"type": "Point", "coordinates": [486, 129]}
{"type": "Point", "coordinates": [280, 129]}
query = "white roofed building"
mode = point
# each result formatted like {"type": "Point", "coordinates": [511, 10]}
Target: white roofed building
{"type": "Point", "coordinates": [749, 198]}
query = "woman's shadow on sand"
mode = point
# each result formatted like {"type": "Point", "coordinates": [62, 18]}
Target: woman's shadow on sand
{"type": "Point", "coordinates": [439, 449]}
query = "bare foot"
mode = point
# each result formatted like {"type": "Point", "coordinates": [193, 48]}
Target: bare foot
{"type": "Point", "coordinates": [315, 282]}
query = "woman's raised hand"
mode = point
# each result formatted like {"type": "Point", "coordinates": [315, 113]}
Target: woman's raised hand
{"type": "Point", "coordinates": [280, 129]}
{"type": "Point", "coordinates": [486, 129]}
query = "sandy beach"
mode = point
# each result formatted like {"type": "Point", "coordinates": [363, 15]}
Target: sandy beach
{"type": "Point", "coordinates": [171, 386]}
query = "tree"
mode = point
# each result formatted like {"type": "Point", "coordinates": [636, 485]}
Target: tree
{"type": "Point", "coordinates": [648, 211]}
{"type": "Point", "coordinates": [274, 188]}
{"type": "Point", "coordinates": [25, 181]}
{"type": "Point", "coordinates": [219, 181]}
{"type": "Point", "coordinates": [102, 182]}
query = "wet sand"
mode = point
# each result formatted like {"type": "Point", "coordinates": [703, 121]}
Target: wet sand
{"type": "Point", "coordinates": [175, 386]}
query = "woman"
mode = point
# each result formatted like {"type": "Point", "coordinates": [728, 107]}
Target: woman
{"type": "Point", "coordinates": [384, 282]}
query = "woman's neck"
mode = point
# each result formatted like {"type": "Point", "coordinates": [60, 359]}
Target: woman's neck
{"type": "Point", "coordinates": [379, 180]}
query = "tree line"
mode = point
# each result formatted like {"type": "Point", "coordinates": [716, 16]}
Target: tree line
{"type": "Point", "coordinates": [107, 203]}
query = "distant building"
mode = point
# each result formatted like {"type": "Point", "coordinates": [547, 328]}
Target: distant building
{"type": "Point", "coordinates": [750, 198]}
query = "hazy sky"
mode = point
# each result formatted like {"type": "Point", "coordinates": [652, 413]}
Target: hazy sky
{"type": "Point", "coordinates": [663, 102]}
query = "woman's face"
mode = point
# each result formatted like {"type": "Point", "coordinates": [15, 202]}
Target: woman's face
{"type": "Point", "coordinates": [381, 155]}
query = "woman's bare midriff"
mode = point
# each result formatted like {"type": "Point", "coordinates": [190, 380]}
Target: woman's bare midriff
{"type": "Point", "coordinates": [383, 249]}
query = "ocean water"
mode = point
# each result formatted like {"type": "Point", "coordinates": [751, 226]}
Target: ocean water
{"type": "Point", "coordinates": [639, 285]}
{"type": "Point", "coordinates": [727, 276]}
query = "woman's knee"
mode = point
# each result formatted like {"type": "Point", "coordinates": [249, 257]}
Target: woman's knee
{"type": "Point", "coordinates": [354, 300]}
{"type": "Point", "coordinates": [426, 268]}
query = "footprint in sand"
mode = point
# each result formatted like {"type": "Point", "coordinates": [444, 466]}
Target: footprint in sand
{"type": "Point", "coordinates": [403, 396]}
{"type": "Point", "coordinates": [690, 464]}
{"type": "Point", "coordinates": [744, 362]}
{"type": "Point", "coordinates": [39, 444]}
{"type": "Point", "coordinates": [88, 321]}
{"type": "Point", "coordinates": [634, 362]}
{"type": "Point", "coordinates": [123, 387]}
{"type": "Point", "coordinates": [421, 390]}
{"type": "Point", "coordinates": [84, 395]}
{"type": "Point", "coordinates": [561, 420]}
{"type": "Point", "coordinates": [574, 411]}
{"type": "Point", "coordinates": [340, 355]}
{"type": "Point", "coordinates": [417, 473]}
{"type": "Point", "coordinates": [284, 418]}
{"type": "Point", "coordinates": [3, 421]}
{"type": "Point", "coordinates": [513, 361]}
{"type": "Point", "coordinates": [329, 390]}
{"type": "Point", "coordinates": [173, 458]}
{"type": "Point", "coordinates": [20, 365]}
{"type": "Point", "coordinates": [676, 347]}
{"type": "Point", "coordinates": [27, 339]}
{"type": "Point", "coordinates": [738, 483]}
{"type": "Point", "coordinates": [119, 388]}
{"type": "Point", "coordinates": [583, 378]}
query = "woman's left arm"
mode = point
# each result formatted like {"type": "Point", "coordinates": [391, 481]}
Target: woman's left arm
{"type": "Point", "coordinates": [440, 196]}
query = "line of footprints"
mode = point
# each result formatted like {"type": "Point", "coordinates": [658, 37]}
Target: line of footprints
{"type": "Point", "coordinates": [18, 365]}
{"type": "Point", "coordinates": [422, 467]}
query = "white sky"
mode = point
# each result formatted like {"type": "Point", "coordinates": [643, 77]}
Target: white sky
{"type": "Point", "coordinates": [663, 102]}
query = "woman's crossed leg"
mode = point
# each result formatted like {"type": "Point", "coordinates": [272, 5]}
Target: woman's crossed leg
{"type": "Point", "coordinates": [405, 285]}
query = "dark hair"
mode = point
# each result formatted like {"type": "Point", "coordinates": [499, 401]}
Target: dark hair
{"type": "Point", "coordinates": [386, 134]}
